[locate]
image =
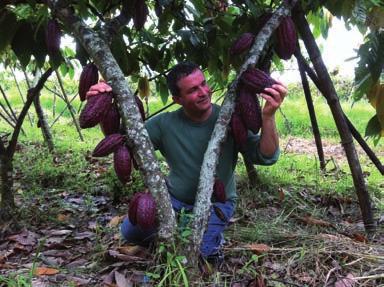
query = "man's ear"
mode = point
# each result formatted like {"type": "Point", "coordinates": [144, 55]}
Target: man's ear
{"type": "Point", "coordinates": [176, 99]}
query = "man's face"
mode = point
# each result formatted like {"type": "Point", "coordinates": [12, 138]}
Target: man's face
{"type": "Point", "coordinates": [195, 94]}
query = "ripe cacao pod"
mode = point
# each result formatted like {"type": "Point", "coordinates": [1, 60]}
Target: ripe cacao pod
{"type": "Point", "coordinates": [53, 37]}
{"type": "Point", "coordinates": [95, 109]}
{"type": "Point", "coordinates": [122, 163]}
{"type": "Point", "coordinates": [256, 80]}
{"type": "Point", "coordinates": [108, 145]}
{"type": "Point", "coordinates": [286, 39]}
{"type": "Point", "coordinates": [239, 131]}
{"type": "Point", "coordinates": [142, 210]}
{"type": "Point", "coordinates": [249, 109]}
{"type": "Point", "coordinates": [141, 13]}
{"type": "Point", "coordinates": [110, 124]}
{"type": "Point", "coordinates": [140, 106]}
{"type": "Point", "coordinates": [242, 44]}
{"type": "Point", "coordinates": [89, 76]}
{"type": "Point", "coordinates": [219, 191]}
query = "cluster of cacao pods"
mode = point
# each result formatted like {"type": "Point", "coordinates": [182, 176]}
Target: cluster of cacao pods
{"type": "Point", "coordinates": [52, 37]}
{"type": "Point", "coordinates": [102, 109]}
{"type": "Point", "coordinates": [247, 114]}
{"type": "Point", "coordinates": [142, 210]}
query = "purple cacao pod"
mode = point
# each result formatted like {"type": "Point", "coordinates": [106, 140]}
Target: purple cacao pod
{"type": "Point", "coordinates": [219, 191]}
{"type": "Point", "coordinates": [89, 76]}
{"type": "Point", "coordinates": [110, 124]}
{"type": "Point", "coordinates": [122, 163]}
{"type": "Point", "coordinates": [146, 211]}
{"type": "Point", "coordinates": [256, 80]}
{"type": "Point", "coordinates": [108, 145]}
{"type": "Point", "coordinates": [141, 13]}
{"type": "Point", "coordinates": [95, 109]}
{"type": "Point", "coordinates": [286, 39]}
{"type": "Point", "coordinates": [242, 44]}
{"type": "Point", "coordinates": [249, 108]}
{"type": "Point", "coordinates": [239, 131]}
{"type": "Point", "coordinates": [132, 210]}
{"type": "Point", "coordinates": [53, 37]}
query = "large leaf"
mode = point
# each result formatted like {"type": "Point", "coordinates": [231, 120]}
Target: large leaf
{"type": "Point", "coordinates": [128, 65]}
{"type": "Point", "coordinates": [7, 20]}
{"type": "Point", "coordinates": [373, 128]}
{"type": "Point", "coordinates": [21, 43]}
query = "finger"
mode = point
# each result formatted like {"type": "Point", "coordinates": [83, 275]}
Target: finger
{"type": "Point", "coordinates": [269, 99]}
{"type": "Point", "coordinates": [281, 83]}
{"type": "Point", "coordinates": [273, 93]}
{"type": "Point", "coordinates": [281, 89]}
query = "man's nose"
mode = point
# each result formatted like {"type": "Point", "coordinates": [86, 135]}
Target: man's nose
{"type": "Point", "coordinates": [204, 91]}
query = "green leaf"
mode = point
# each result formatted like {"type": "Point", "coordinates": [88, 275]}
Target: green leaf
{"type": "Point", "coordinates": [161, 87]}
{"type": "Point", "coordinates": [7, 20]}
{"type": "Point", "coordinates": [119, 51]}
{"type": "Point", "coordinates": [373, 128]}
{"type": "Point", "coordinates": [21, 43]}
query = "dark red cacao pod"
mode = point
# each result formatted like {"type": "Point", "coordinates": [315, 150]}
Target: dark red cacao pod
{"type": "Point", "coordinates": [141, 13]}
{"type": "Point", "coordinates": [219, 191]}
{"type": "Point", "coordinates": [110, 124]}
{"type": "Point", "coordinates": [132, 210]}
{"type": "Point", "coordinates": [95, 109]}
{"type": "Point", "coordinates": [242, 44]}
{"type": "Point", "coordinates": [249, 108]}
{"type": "Point", "coordinates": [89, 76]}
{"type": "Point", "coordinates": [146, 211]}
{"type": "Point", "coordinates": [140, 106]}
{"type": "Point", "coordinates": [122, 163]}
{"type": "Point", "coordinates": [286, 39]}
{"type": "Point", "coordinates": [256, 80]}
{"type": "Point", "coordinates": [53, 37]}
{"type": "Point", "coordinates": [239, 131]}
{"type": "Point", "coordinates": [108, 145]}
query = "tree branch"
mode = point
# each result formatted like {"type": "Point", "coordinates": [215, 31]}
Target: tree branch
{"type": "Point", "coordinates": [211, 156]}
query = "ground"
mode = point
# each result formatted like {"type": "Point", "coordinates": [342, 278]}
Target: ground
{"type": "Point", "coordinates": [71, 238]}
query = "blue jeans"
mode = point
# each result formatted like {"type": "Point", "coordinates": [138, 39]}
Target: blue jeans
{"type": "Point", "coordinates": [212, 238]}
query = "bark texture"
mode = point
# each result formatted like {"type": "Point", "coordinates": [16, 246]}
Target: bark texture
{"type": "Point", "coordinates": [44, 126]}
{"type": "Point", "coordinates": [137, 135]}
{"type": "Point", "coordinates": [342, 126]}
{"type": "Point", "coordinates": [211, 156]}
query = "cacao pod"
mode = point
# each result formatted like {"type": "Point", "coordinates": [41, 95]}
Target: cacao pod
{"type": "Point", "coordinates": [108, 145]}
{"type": "Point", "coordinates": [256, 80]}
{"type": "Point", "coordinates": [146, 211]}
{"type": "Point", "coordinates": [122, 163]}
{"type": "Point", "coordinates": [89, 76]}
{"type": "Point", "coordinates": [132, 210]}
{"type": "Point", "coordinates": [249, 109]}
{"type": "Point", "coordinates": [53, 37]}
{"type": "Point", "coordinates": [286, 39]}
{"type": "Point", "coordinates": [239, 131]}
{"type": "Point", "coordinates": [141, 13]}
{"type": "Point", "coordinates": [95, 109]}
{"type": "Point", "coordinates": [140, 106]}
{"type": "Point", "coordinates": [242, 44]}
{"type": "Point", "coordinates": [110, 124]}
{"type": "Point", "coordinates": [219, 191]}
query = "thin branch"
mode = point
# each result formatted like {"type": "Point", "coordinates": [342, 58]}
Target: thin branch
{"type": "Point", "coordinates": [7, 120]}
{"type": "Point", "coordinates": [8, 104]}
{"type": "Point", "coordinates": [32, 93]}
{"type": "Point", "coordinates": [62, 112]}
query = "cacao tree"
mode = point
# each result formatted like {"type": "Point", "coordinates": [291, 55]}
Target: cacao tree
{"type": "Point", "coordinates": [143, 39]}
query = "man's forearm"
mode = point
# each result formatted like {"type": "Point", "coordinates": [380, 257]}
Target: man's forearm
{"type": "Point", "coordinates": [269, 140]}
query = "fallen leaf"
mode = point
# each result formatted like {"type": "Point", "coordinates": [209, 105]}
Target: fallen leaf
{"type": "Point", "coordinates": [63, 217]}
{"type": "Point", "coordinates": [348, 281]}
{"type": "Point", "coordinates": [39, 271]}
{"type": "Point", "coordinates": [121, 281]}
{"type": "Point", "coordinates": [26, 238]}
{"type": "Point", "coordinates": [359, 237]}
{"type": "Point", "coordinates": [115, 221]}
{"type": "Point", "coordinates": [281, 195]}
{"type": "Point", "coordinates": [258, 248]}
{"type": "Point", "coordinates": [314, 221]}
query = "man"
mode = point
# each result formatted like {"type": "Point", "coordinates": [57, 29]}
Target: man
{"type": "Point", "coordinates": [182, 137]}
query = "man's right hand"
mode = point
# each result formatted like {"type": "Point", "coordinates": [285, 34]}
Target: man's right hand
{"type": "Point", "coordinates": [100, 87]}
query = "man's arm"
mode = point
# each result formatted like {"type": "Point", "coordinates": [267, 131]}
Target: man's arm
{"type": "Point", "coordinates": [269, 140]}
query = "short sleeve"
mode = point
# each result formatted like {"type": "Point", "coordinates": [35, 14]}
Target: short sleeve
{"type": "Point", "coordinates": [252, 151]}
{"type": "Point", "coordinates": [154, 128]}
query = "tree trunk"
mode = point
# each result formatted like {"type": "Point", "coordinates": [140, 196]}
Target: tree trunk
{"type": "Point", "coordinates": [312, 113]}
{"type": "Point", "coordinates": [7, 204]}
{"type": "Point", "coordinates": [45, 130]}
{"type": "Point", "coordinates": [342, 126]}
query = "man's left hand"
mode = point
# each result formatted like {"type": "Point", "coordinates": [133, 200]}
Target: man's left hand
{"type": "Point", "coordinates": [273, 99]}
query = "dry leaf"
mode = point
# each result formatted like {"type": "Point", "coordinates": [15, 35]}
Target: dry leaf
{"type": "Point", "coordinates": [39, 271]}
{"type": "Point", "coordinates": [258, 248]}
{"type": "Point", "coordinates": [63, 217]}
{"type": "Point", "coordinates": [348, 281]}
{"type": "Point", "coordinates": [281, 195]}
{"type": "Point", "coordinates": [359, 237]}
{"type": "Point", "coordinates": [314, 221]}
{"type": "Point", "coordinates": [115, 221]}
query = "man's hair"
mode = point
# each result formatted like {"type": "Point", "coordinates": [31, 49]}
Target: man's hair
{"type": "Point", "coordinates": [179, 71]}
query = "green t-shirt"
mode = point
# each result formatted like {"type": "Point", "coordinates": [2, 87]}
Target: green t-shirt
{"type": "Point", "coordinates": [183, 144]}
